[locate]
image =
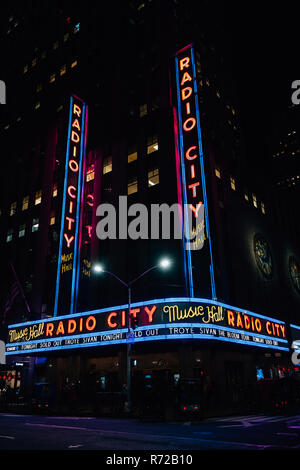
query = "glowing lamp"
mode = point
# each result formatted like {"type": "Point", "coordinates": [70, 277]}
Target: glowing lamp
{"type": "Point", "coordinates": [98, 268]}
{"type": "Point", "coordinates": [165, 263]}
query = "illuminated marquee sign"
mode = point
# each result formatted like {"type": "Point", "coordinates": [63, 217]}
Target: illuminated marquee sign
{"type": "Point", "coordinates": [68, 259]}
{"type": "Point", "coordinates": [196, 319]}
{"type": "Point", "coordinates": [295, 336]}
{"type": "Point", "coordinates": [191, 176]}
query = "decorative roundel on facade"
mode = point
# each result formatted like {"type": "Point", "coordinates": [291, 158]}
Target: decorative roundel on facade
{"type": "Point", "coordinates": [263, 256]}
{"type": "Point", "coordinates": [294, 271]}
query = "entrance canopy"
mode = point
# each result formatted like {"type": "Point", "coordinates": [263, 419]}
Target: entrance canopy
{"type": "Point", "coordinates": [159, 319]}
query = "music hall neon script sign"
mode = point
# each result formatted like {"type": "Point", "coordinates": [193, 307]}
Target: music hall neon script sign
{"type": "Point", "coordinates": [67, 269]}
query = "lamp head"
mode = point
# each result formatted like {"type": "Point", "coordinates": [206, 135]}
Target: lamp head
{"type": "Point", "coordinates": [164, 263]}
{"type": "Point", "coordinates": [98, 268]}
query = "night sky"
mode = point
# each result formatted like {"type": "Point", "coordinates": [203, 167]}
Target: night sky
{"type": "Point", "coordinates": [265, 57]}
{"type": "Point", "coordinates": [263, 39]}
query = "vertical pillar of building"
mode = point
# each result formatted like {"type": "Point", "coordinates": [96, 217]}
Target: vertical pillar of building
{"type": "Point", "coordinates": [95, 242]}
{"type": "Point", "coordinates": [185, 357]}
{"type": "Point", "coordinates": [122, 360]}
{"type": "Point", "coordinates": [44, 219]}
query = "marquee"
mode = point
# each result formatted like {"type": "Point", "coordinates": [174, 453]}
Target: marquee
{"type": "Point", "coordinates": [157, 320]}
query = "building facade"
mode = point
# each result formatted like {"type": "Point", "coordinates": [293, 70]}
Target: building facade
{"type": "Point", "coordinates": [137, 102]}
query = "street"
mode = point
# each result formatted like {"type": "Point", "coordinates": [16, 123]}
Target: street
{"type": "Point", "coordinates": [40, 432]}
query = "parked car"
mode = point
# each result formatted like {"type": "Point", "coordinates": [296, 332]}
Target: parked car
{"type": "Point", "coordinates": [190, 397]}
{"type": "Point", "coordinates": [43, 396]}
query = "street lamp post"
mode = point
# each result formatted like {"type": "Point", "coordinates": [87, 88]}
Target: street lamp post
{"type": "Point", "coordinates": [164, 263]}
{"type": "Point", "coordinates": [128, 352]}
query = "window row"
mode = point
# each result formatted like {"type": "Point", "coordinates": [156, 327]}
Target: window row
{"type": "Point", "coordinates": [153, 180]}
{"type": "Point", "coordinates": [34, 227]}
{"type": "Point", "coordinates": [152, 146]}
{"type": "Point", "coordinates": [25, 201]}
{"type": "Point", "coordinates": [247, 195]}
{"type": "Point", "coordinates": [22, 229]}
{"type": "Point", "coordinates": [55, 46]}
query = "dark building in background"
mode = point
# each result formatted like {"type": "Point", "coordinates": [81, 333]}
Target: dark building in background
{"type": "Point", "coordinates": [119, 59]}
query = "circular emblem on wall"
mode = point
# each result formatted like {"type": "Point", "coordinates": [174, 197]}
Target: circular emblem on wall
{"type": "Point", "coordinates": [294, 270]}
{"type": "Point", "coordinates": [263, 256]}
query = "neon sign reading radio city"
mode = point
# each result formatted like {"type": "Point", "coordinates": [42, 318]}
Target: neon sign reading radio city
{"type": "Point", "coordinates": [192, 173]}
{"type": "Point", "coordinates": [69, 247]}
{"type": "Point", "coordinates": [190, 170]}
{"type": "Point", "coordinates": [161, 319]}
{"type": "Point", "coordinates": [73, 168]}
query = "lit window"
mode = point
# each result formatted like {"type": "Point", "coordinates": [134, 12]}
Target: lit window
{"type": "Point", "coordinates": [143, 110]}
{"type": "Point", "coordinates": [52, 78]}
{"type": "Point", "coordinates": [54, 192]}
{"type": "Point", "coordinates": [35, 224]}
{"type": "Point", "coordinates": [63, 69]}
{"type": "Point", "coordinates": [153, 177]}
{"type": "Point", "coordinates": [246, 196]}
{"type": "Point", "coordinates": [263, 209]}
{"type": "Point", "coordinates": [152, 145]}
{"type": "Point", "coordinates": [22, 230]}
{"type": "Point", "coordinates": [74, 64]}
{"type": "Point", "coordinates": [39, 87]}
{"type": "Point", "coordinates": [90, 174]}
{"type": "Point", "coordinates": [9, 235]}
{"type": "Point", "coordinates": [232, 183]}
{"type": "Point", "coordinates": [25, 203]}
{"type": "Point", "coordinates": [52, 219]}
{"type": "Point", "coordinates": [132, 186]}
{"type": "Point", "coordinates": [107, 165]}
{"type": "Point", "coordinates": [37, 105]}
{"type": "Point", "coordinates": [132, 157]}
{"type": "Point", "coordinates": [66, 37]}
{"type": "Point", "coordinates": [33, 63]}
{"type": "Point", "coordinates": [218, 173]}
{"type": "Point", "coordinates": [13, 209]}
{"type": "Point", "coordinates": [38, 197]}
{"type": "Point", "coordinates": [25, 70]}
{"type": "Point", "coordinates": [55, 45]}
{"type": "Point", "coordinates": [254, 199]}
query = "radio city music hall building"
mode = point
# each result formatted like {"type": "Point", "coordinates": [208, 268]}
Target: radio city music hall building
{"type": "Point", "coordinates": [155, 121]}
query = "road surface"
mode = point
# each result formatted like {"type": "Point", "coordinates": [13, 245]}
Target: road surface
{"type": "Point", "coordinates": [255, 432]}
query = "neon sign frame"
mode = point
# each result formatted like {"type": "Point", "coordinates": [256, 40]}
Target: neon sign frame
{"type": "Point", "coordinates": [220, 332]}
{"type": "Point", "coordinates": [186, 63]}
{"type": "Point", "coordinates": [72, 198]}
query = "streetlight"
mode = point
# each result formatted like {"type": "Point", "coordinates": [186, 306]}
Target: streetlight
{"type": "Point", "coordinates": [164, 263]}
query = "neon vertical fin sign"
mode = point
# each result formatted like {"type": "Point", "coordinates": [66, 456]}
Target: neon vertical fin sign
{"type": "Point", "coordinates": [68, 256]}
{"type": "Point", "coordinates": [198, 257]}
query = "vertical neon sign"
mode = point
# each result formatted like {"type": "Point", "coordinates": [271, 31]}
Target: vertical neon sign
{"type": "Point", "coordinates": [68, 256]}
{"type": "Point", "coordinates": [198, 260]}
